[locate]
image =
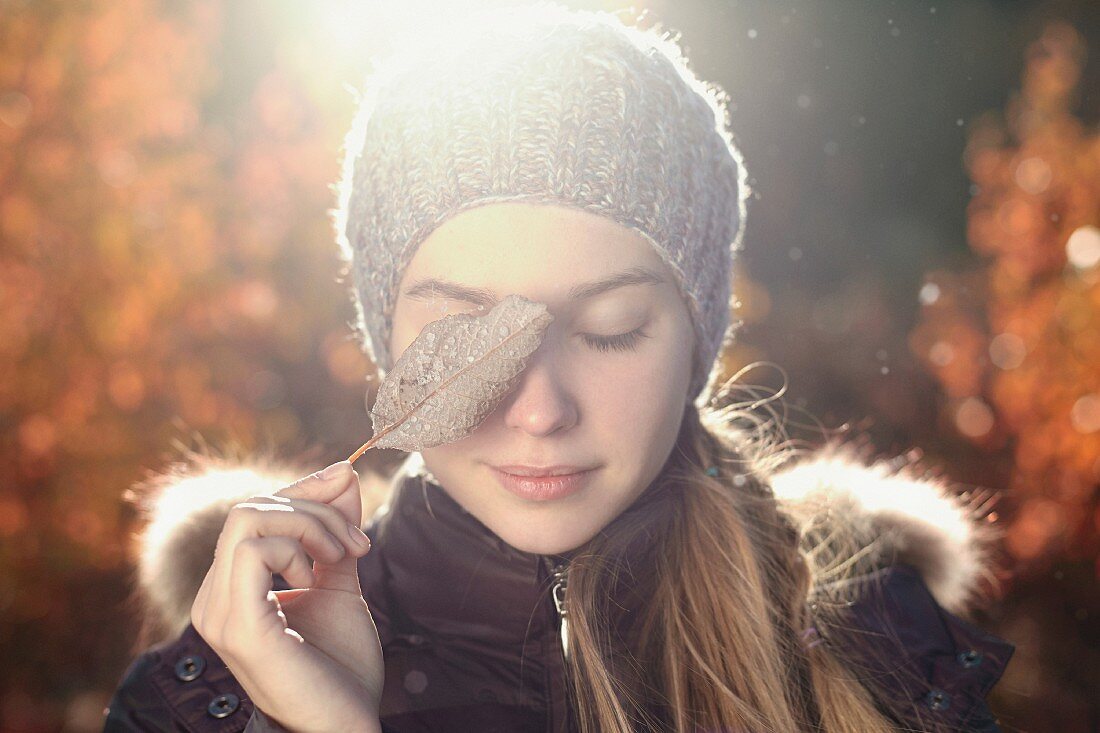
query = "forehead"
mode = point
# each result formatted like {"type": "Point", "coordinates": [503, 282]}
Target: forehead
{"type": "Point", "coordinates": [519, 244]}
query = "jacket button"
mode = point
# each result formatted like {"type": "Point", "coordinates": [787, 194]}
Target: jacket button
{"type": "Point", "coordinates": [416, 681]}
{"type": "Point", "coordinates": [189, 668]}
{"type": "Point", "coordinates": [970, 658]}
{"type": "Point", "coordinates": [937, 699]}
{"type": "Point", "coordinates": [223, 705]}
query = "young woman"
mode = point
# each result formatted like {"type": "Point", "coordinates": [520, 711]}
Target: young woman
{"type": "Point", "coordinates": [618, 546]}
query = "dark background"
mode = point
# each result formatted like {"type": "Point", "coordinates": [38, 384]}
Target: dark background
{"type": "Point", "coordinates": [168, 280]}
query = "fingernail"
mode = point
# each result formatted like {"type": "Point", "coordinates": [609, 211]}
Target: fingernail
{"type": "Point", "coordinates": [358, 536]}
{"type": "Point", "coordinates": [334, 470]}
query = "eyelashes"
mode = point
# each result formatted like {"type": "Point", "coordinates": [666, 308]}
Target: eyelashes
{"type": "Point", "coordinates": [621, 342]}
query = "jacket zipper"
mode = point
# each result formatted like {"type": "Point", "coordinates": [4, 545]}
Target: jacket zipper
{"type": "Point", "coordinates": [560, 573]}
{"type": "Point", "coordinates": [558, 719]}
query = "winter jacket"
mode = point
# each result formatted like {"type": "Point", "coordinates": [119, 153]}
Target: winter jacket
{"type": "Point", "coordinates": [470, 626]}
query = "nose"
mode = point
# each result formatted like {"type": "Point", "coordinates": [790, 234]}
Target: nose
{"type": "Point", "coordinates": [541, 403]}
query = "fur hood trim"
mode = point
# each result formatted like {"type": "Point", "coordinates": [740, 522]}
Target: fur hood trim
{"type": "Point", "coordinates": [904, 517]}
{"type": "Point", "coordinates": [184, 508]}
{"type": "Point", "coordinates": [913, 519]}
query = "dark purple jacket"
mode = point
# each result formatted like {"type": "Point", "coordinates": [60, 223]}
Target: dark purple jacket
{"type": "Point", "coordinates": [470, 635]}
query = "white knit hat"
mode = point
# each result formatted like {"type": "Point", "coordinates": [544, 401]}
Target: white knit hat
{"type": "Point", "coordinates": [542, 103]}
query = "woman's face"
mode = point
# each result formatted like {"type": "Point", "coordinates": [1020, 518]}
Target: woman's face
{"type": "Point", "coordinates": [605, 390]}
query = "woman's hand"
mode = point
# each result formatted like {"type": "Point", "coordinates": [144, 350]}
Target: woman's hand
{"type": "Point", "coordinates": [309, 657]}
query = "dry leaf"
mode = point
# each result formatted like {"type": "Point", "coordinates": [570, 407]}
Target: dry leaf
{"type": "Point", "coordinates": [454, 374]}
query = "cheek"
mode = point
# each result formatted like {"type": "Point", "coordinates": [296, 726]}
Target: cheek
{"type": "Point", "coordinates": [642, 394]}
{"type": "Point", "coordinates": [450, 464]}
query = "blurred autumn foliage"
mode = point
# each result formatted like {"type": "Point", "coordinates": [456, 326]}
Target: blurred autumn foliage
{"type": "Point", "coordinates": [1015, 344]}
{"type": "Point", "coordinates": [164, 249]}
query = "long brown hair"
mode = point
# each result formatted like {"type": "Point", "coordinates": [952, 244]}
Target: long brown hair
{"type": "Point", "coordinates": [716, 578]}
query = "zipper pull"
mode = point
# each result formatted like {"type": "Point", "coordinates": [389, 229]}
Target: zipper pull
{"type": "Point", "coordinates": [560, 579]}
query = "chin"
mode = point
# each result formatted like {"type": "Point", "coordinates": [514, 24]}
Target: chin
{"type": "Point", "coordinates": [538, 543]}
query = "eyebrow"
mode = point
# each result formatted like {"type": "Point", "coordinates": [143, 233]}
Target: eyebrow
{"type": "Point", "coordinates": [432, 286]}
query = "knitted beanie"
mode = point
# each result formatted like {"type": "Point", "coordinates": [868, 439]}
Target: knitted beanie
{"type": "Point", "coordinates": [544, 104]}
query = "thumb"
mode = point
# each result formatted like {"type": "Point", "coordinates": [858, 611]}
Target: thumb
{"type": "Point", "coordinates": [340, 575]}
{"type": "Point", "coordinates": [338, 486]}
{"type": "Point", "coordinates": [322, 486]}
{"type": "Point", "coordinates": [344, 573]}
{"type": "Point", "coordinates": [349, 501]}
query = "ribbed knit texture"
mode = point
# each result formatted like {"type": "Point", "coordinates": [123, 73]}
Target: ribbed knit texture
{"type": "Point", "coordinates": [552, 105]}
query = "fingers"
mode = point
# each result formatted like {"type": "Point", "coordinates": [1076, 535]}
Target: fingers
{"type": "Point", "coordinates": [338, 572]}
{"type": "Point", "coordinates": [323, 486]}
{"type": "Point", "coordinates": [305, 523]}
{"type": "Point", "coordinates": [298, 513]}
{"type": "Point", "coordinates": [337, 486]}
{"type": "Point", "coordinates": [339, 576]}
{"type": "Point", "coordinates": [324, 641]}
{"type": "Point", "coordinates": [254, 560]}
{"type": "Point", "coordinates": [278, 515]}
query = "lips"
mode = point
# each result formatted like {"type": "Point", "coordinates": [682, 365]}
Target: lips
{"type": "Point", "coordinates": [542, 487]}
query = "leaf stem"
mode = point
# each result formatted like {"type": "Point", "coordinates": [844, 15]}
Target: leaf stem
{"type": "Point", "coordinates": [374, 439]}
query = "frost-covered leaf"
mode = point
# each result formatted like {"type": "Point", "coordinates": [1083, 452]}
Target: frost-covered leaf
{"type": "Point", "coordinates": [455, 373]}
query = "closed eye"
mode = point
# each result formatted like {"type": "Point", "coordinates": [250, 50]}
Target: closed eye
{"type": "Point", "coordinates": [619, 342]}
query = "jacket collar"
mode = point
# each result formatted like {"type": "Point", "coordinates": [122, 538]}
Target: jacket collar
{"type": "Point", "coordinates": [431, 561]}
{"type": "Point", "coordinates": [913, 519]}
